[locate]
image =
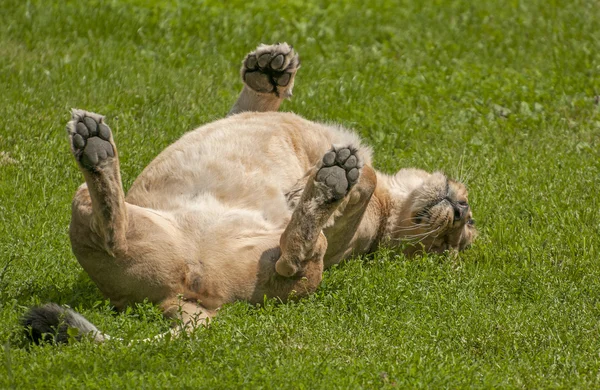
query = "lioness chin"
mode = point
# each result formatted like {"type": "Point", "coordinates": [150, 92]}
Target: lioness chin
{"type": "Point", "coordinates": [251, 206]}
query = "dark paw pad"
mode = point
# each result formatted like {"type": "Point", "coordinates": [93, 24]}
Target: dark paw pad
{"type": "Point", "coordinates": [95, 151]}
{"type": "Point", "coordinates": [335, 178]}
{"type": "Point", "coordinates": [340, 170]}
{"type": "Point", "coordinates": [270, 68]}
{"type": "Point", "coordinates": [90, 139]}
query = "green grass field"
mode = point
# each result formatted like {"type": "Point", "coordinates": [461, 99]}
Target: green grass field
{"type": "Point", "coordinates": [502, 94]}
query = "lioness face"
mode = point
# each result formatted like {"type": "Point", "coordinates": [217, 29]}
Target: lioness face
{"type": "Point", "coordinates": [438, 217]}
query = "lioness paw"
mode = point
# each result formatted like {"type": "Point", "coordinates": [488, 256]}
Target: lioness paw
{"type": "Point", "coordinates": [271, 69]}
{"type": "Point", "coordinates": [340, 170]}
{"type": "Point", "coordinates": [90, 138]}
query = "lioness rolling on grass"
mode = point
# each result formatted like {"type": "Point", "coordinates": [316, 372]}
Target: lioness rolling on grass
{"type": "Point", "coordinates": [253, 205]}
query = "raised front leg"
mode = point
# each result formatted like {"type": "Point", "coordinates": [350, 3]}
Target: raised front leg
{"type": "Point", "coordinates": [268, 74]}
{"type": "Point", "coordinates": [326, 188]}
{"type": "Point", "coordinates": [94, 149]}
{"type": "Point", "coordinates": [347, 231]}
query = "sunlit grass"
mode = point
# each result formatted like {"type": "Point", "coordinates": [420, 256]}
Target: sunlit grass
{"type": "Point", "coordinates": [501, 94]}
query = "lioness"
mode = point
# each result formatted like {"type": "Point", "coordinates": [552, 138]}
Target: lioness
{"type": "Point", "coordinates": [253, 205]}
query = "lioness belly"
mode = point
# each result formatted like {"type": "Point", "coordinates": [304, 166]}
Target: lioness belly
{"type": "Point", "coordinates": [249, 160]}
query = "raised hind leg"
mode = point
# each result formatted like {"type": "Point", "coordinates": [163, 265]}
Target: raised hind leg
{"type": "Point", "coordinates": [268, 74]}
{"type": "Point", "coordinates": [132, 253]}
{"type": "Point", "coordinates": [327, 187]}
{"type": "Point", "coordinates": [94, 149]}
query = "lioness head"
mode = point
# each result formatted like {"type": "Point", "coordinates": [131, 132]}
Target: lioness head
{"type": "Point", "coordinates": [434, 214]}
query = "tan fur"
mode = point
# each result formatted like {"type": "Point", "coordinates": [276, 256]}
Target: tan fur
{"type": "Point", "coordinates": [232, 206]}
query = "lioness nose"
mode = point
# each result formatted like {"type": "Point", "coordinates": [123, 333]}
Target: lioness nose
{"type": "Point", "coordinates": [460, 210]}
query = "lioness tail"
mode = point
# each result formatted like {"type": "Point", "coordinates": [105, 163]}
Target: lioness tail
{"type": "Point", "coordinates": [53, 322]}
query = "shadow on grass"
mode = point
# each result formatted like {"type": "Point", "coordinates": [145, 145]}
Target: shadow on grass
{"type": "Point", "coordinates": [82, 293]}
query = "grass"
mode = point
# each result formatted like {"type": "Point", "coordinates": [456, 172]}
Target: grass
{"type": "Point", "coordinates": [501, 94]}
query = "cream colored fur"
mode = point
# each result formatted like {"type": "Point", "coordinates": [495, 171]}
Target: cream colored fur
{"type": "Point", "coordinates": [243, 208]}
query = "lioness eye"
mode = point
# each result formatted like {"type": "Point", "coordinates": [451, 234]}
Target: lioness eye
{"type": "Point", "coordinates": [471, 221]}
